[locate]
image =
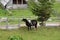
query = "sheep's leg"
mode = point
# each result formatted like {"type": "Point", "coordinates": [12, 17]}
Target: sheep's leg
{"type": "Point", "coordinates": [28, 28]}
{"type": "Point", "coordinates": [36, 27]}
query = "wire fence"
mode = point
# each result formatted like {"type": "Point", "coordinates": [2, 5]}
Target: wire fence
{"type": "Point", "coordinates": [54, 19]}
{"type": "Point", "coordinates": [13, 21]}
{"type": "Point", "coordinates": [17, 21]}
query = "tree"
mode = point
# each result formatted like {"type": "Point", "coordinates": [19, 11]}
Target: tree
{"type": "Point", "coordinates": [41, 8]}
{"type": "Point", "coordinates": [2, 9]}
{"type": "Point", "coordinates": [5, 10]}
{"type": "Point", "coordinates": [1, 6]}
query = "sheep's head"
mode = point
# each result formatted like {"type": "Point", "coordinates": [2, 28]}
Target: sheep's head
{"type": "Point", "coordinates": [24, 20]}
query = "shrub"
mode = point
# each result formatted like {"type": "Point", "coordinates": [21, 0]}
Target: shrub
{"type": "Point", "coordinates": [15, 37]}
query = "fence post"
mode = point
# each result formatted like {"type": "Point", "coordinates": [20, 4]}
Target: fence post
{"type": "Point", "coordinates": [18, 22]}
{"type": "Point", "coordinates": [7, 25]}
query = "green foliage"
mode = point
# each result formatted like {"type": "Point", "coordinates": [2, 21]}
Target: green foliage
{"type": "Point", "coordinates": [41, 8]}
{"type": "Point", "coordinates": [1, 6]}
{"type": "Point", "coordinates": [2, 10]}
{"type": "Point", "coordinates": [15, 37]}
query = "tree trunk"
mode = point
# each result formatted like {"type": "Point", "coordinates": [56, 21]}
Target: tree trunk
{"type": "Point", "coordinates": [42, 23]}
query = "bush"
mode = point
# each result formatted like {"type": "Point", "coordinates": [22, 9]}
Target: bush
{"type": "Point", "coordinates": [15, 37]}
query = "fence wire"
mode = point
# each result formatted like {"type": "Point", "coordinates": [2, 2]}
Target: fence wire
{"type": "Point", "coordinates": [16, 22]}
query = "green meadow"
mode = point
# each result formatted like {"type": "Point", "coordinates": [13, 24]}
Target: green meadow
{"type": "Point", "coordinates": [24, 12]}
{"type": "Point", "coordinates": [42, 33]}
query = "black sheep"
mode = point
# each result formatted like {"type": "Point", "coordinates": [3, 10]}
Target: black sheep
{"type": "Point", "coordinates": [29, 24]}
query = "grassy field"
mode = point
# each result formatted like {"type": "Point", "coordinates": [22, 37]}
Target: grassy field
{"type": "Point", "coordinates": [57, 6]}
{"type": "Point", "coordinates": [25, 12]}
{"type": "Point", "coordinates": [43, 33]}
{"type": "Point", "coordinates": [17, 13]}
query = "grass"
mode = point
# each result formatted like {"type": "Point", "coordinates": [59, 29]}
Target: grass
{"type": "Point", "coordinates": [17, 13]}
{"type": "Point", "coordinates": [24, 13]}
{"type": "Point", "coordinates": [57, 6]}
{"type": "Point", "coordinates": [43, 33]}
